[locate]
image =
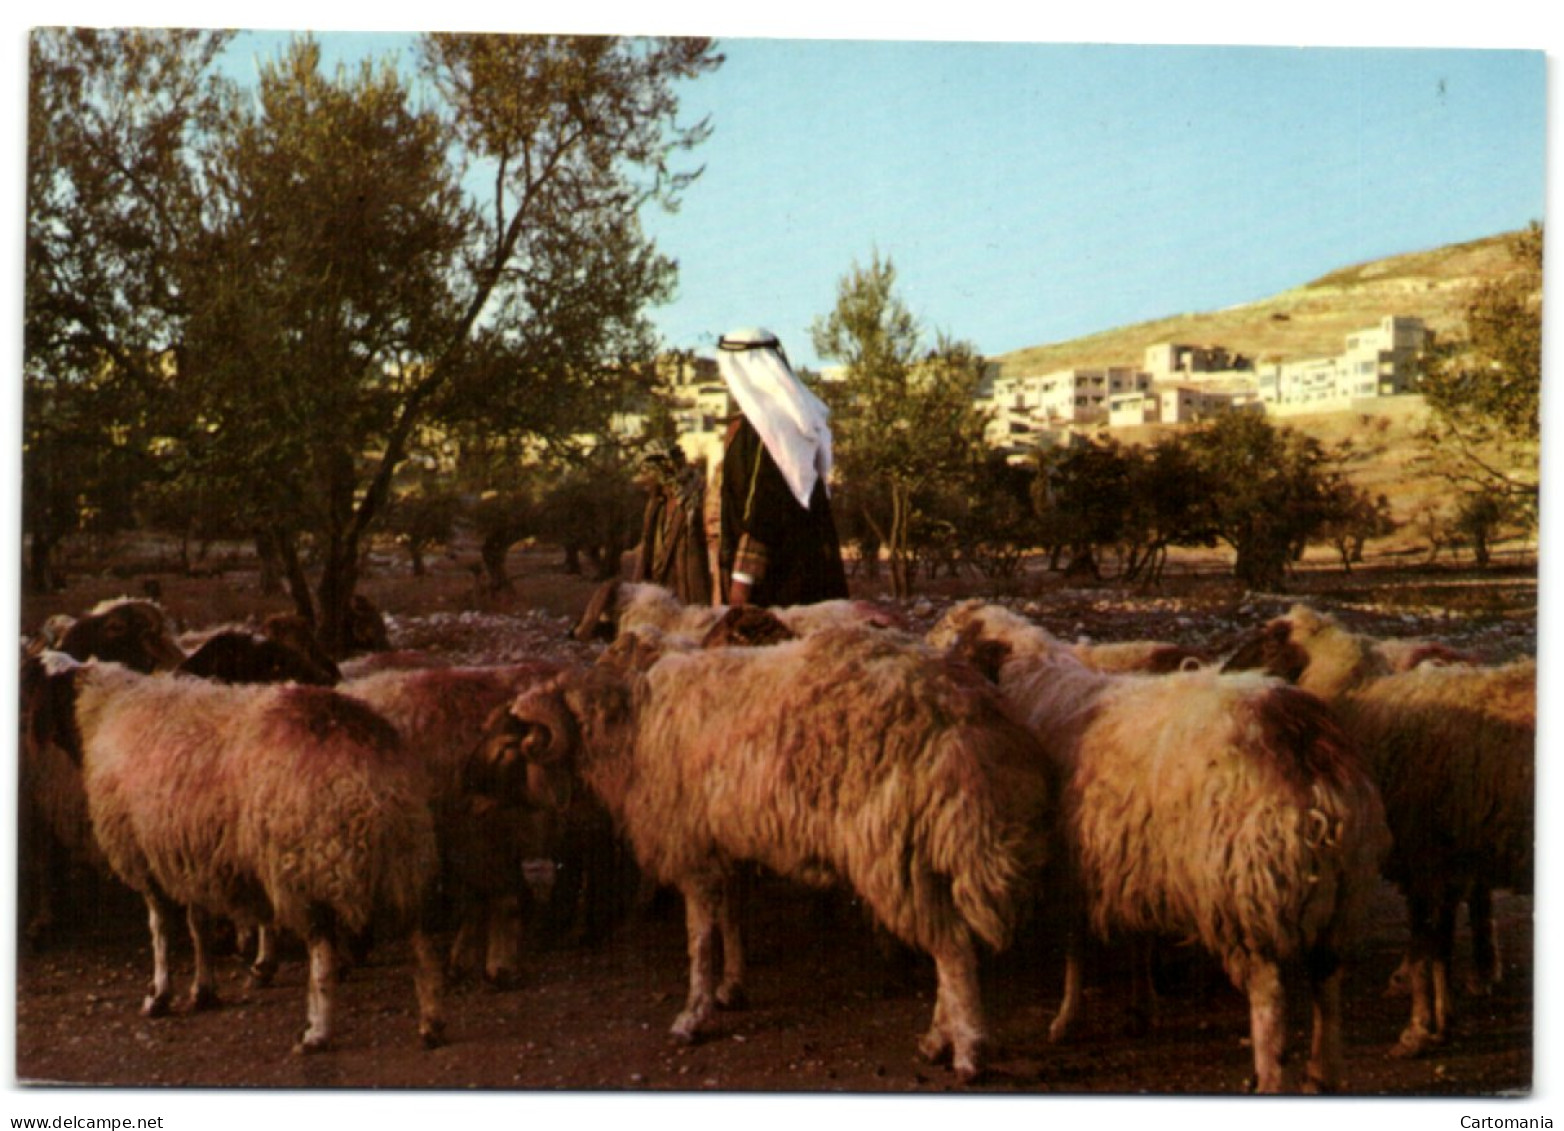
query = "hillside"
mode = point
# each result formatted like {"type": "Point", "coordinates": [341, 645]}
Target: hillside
{"type": "Point", "coordinates": [1307, 321]}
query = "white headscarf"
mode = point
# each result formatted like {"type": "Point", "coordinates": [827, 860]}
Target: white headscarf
{"type": "Point", "coordinates": [792, 421]}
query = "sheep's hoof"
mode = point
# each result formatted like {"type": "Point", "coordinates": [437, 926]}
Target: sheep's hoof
{"type": "Point", "coordinates": [308, 1045]}
{"type": "Point", "coordinates": [1314, 1086]}
{"type": "Point", "coordinates": [155, 1005]}
{"type": "Point", "coordinates": [934, 1047]}
{"type": "Point", "coordinates": [432, 1034]}
{"type": "Point", "coordinates": [968, 1062]}
{"type": "Point", "coordinates": [204, 999]}
{"type": "Point", "coordinates": [732, 997]}
{"type": "Point", "coordinates": [261, 975]}
{"type": "Point", "coordinates": [686, 1029]}
{"type": "Point", "coordinates": [1414, 1043]}
{"type": "Point", "coordinates": [1478, 986]}
{"type": "Point", "coordinates": [501, 981]}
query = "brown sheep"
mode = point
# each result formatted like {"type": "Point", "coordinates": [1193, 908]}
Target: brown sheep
{"type": "Point", "coordinates": [441, 714]}
{"type": "Point", "coordinates": [1453, 750]}
{"type": "Point", "coordinates": [272, 805]}
{"type": "Point", "coordinates": [854, 755]}
{"type": "Point", "coordinates": [1230, 811]}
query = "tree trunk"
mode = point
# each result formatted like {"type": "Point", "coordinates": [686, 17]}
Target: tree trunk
{"type": "Point", "coordinates": [338, 579]}
{"type": "Point", "coordinates": [496, 546]}
{"type": "Point", "coordinates": [901, 563]}
{"type": "Point", "coordinates": [41, 574]}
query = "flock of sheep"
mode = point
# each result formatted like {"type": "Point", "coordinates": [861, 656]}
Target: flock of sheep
{"type": "Point", "coordinates": [951, 781]}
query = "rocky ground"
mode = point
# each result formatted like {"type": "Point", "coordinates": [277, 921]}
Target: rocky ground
{"type": "Point", "coordinates": [830, 1013]}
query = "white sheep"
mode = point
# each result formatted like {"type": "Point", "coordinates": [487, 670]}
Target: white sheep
{"type": "Point", "coordinates": [1230, 811]}
{"type": "Point", "coordinates": [277, 805]}
{"type": "Point", "coordinates": [853, 755]}
{"type": "Point", "coordinates": [1453, 750]}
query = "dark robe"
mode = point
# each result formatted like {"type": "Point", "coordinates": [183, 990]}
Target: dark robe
{"type": "Point", "coordinates": [802, 553]}
{"type": "Point", "coordinates": [672, 552]}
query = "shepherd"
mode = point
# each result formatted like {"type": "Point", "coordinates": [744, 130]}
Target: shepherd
{"type": "Point", "coordinates": [769, 518]}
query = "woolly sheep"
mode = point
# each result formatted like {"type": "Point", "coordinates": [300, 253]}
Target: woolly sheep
{"type": "Point", "coordinates": [1453, 750]}
{"type": "Point", "coordinates": [441, 714]}
{"type": "Point", "coordinates": [55, 833]}
{"type": "Point", "coordinates": [278, 805]}
{"type": "Point", "coordinates": [619, 606]}
{"type": "Point", "coordinates": [1228, 810]}
{"type": "Point", "coordinates": [854, 755]}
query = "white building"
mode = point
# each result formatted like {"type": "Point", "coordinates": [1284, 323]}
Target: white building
{"type": "Point", "coordinates": [1381, 361]}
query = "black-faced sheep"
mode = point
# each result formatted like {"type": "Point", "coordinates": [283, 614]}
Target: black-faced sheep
{"type": "Point", "coordinates": [241, 657]}
{"type": "Point", "coordinates": [1453, 750]}
{"type": "Point", "coordinates": [126, 631]}
{"type": "Point", "coordinates": [441, 714]}
{"type": "Point", "coordinates": [55, 833]}
{"type": "Point", "coordinates": [280, 805]}
{"type": "Point", "coordinates": [1228, 811]}
{"type": "Point", "coordinates": [854, 755]}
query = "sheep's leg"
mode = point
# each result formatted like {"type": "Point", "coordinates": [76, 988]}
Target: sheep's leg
{"type": "Point", "coordinates": [1070, 1005]}
{"type": "Point", "coordinates": [323, 980]}
{"type": "Point", "coordinates": [1422, 1030]}
{"type": "Point", "coordinates": [466, 948]}
{"type": "Point", "coordinates": [701, 902]}
{"type": "Point", "coordinates": [429, 982]}
{"type": "Point", "coordinates": [730, 991]}
{"type": "Point", "coordinates": [1444, 956]}
{"type": "Point", "coordinates": [1487, 967]}
{"type": "Point", "coordinates": [203, 990]}
{"type": "Point", "coordinates": [1267, 1023]}
{"type": "Point", "coordinates": [264, 968]}
{"type": "Point", "coordinates": [1325, 1050]}
{"type": "Point", "coordinates": [958, 1012]}
{"type": "Point", "coordinates": [159, 912]}
{"type": "Point", "coordinates": [503, 941]}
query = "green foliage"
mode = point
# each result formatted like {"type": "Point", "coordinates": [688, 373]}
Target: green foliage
{"type": "Point", "coordinates": [1485, 387]}
{"type": "Point", "coordinates": [1270, 491]}
{"type": "Point", "coordinates": [115, 190]}
{"type": "Point", "coordinates": [903, 420]}
{"type": "Point", "coordinates": [297, 289]}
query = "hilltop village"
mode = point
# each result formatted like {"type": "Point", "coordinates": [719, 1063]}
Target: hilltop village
{"type": "Point", "coordinates": [1176, 383]}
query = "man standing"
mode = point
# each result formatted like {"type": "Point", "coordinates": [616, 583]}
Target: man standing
{"type": "Point", "coordinates": [776, 539]}
{"type": "Point", "coordinates": [672, 552]}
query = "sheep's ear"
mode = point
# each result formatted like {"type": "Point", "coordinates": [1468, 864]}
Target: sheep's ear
{"type": "Point", "coordinates": [48, 694]}
{"type": "Point", "coordinates": [987, 656]}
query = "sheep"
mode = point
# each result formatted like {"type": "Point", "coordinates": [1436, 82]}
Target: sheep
{"type": "Point", "coordinates": [441, 714]}
{"type": "Point", "coordinates": [618, 606]}
{"type": "Point", "coordinates": [1453, 749]}
{"type": "Point", "coordinates": [856, 755]}
{"type": "Point", "coordinates": [55, 833]}
{"type": "Point", "coordinates": [1136, 656]}
{"type": "Point", "coordinates": [124, 630]}
{"type": "Point", "coordinates": [1228, 810]}
{"type": "Point", "coordinates": [280, 805]}
{"type": "Point", "coordinates": [241, 657]}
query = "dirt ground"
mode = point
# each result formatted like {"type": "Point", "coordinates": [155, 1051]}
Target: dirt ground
{"type": "Point", "coordinates": [831, 1011]}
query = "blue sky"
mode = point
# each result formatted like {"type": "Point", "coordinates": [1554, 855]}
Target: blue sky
{"type": "Point", "coordinates": [1035, 192]}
